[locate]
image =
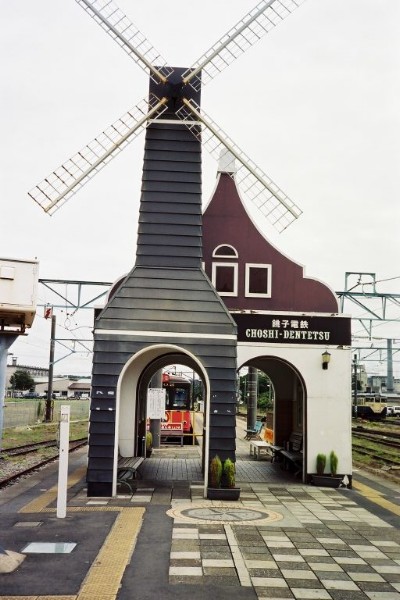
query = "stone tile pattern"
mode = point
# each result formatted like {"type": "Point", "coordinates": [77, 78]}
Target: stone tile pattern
{"type": "Point", "coordinates": [340, 551]}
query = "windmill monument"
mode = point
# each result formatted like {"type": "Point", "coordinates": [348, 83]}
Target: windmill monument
{"type": "Point", "coordinates": [166, 310]}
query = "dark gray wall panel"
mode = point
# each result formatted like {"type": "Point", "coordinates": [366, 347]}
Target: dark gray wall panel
{"type": "Point", "coordinates": [167, 291]}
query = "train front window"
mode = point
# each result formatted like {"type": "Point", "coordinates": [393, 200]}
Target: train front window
{"type": "Point", "coordinates": [180, 398]}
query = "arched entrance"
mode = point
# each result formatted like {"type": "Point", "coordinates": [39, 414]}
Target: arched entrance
{"type": "Point", "coordinates": [290, 399]}
{"type": "Point", "coordinates": [132, 395]}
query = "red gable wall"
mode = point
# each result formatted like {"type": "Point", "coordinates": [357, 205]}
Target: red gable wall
{"type": "Point", "coordinates": [226, 221]}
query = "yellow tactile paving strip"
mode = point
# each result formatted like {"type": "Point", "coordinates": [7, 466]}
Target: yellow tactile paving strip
{"type": "Point", "coordinates": [103, 579]}
{"type": "Point", "coordinates": [50, 495]}
{"type": "Point", "coordinates": [377, 497]}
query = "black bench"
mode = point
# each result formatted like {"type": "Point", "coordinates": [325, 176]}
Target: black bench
{"type": "Point", "coordinates": [292, 456]}
{"type": "Point", "coordinates": [127, 470]}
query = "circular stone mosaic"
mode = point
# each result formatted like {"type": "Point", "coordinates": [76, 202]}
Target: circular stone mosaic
{"type": "Point", "coordinates": [223, 514]}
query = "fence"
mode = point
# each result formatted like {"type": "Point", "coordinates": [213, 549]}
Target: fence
{"type": "Point", "coordinates": [30, 412]}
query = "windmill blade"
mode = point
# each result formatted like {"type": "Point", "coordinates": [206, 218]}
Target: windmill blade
{"type": "Point", "coordinates": [111, 18]}
{"type": "Point", "coordinates": [59, 186]}
{"type": "Point", "coordinates": [270, 200]}
{"type": "Point", "coordinates": [259, 21]}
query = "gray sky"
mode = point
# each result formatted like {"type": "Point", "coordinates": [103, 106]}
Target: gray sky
{"type": "Point", "coordinates": [314, 104]}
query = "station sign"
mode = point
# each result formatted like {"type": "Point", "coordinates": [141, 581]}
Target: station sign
{"type": "Point", "coordinates": [156, 403]}
{"type": "Point", "coordinates": [271, 328]}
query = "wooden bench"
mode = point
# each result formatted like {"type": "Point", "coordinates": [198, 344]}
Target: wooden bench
{"type": "Point", "coordinates": [260, 449]}
{"type": "Point", "coordinates": [292, 456]}
{"type": "Point", "coordinates": [254, 433]}
{"type": "Point", "coordinates": [127, 470]}
{"type": "Point", "coordinates": [167, 434]}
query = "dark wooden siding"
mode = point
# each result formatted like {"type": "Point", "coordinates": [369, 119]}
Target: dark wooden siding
{"type": "Point", "coordinates": [167, 291]}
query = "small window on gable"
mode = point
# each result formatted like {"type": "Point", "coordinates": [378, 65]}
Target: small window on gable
{"type": "Point", "coordinates": [225, 278]}
{"type": "Point", "coordinates": [225, 251]}
{"type": "Point", "coordinates": [258, 280]}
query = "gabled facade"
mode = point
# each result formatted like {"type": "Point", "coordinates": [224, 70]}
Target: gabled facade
{"type": "Point", "coordinates": [247, 271]}
{"type": "Point", "coordinates": [285, 321]}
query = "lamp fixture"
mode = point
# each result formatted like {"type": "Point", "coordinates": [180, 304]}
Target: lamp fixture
{"type": "Point", "coordinates": [326, 357]}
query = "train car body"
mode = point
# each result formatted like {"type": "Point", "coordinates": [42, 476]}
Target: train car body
{"type": "Point", "coordinates": [372, 407]}
{"type": "Point", "coordinates": [178, 405]}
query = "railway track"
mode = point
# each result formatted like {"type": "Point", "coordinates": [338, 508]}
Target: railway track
{"type": "Point", "coordinates": [377, 449]}
{"type": "Point", "coordinates": [27, 449]}
{"type": "Point", "coordinates": [11, 471]}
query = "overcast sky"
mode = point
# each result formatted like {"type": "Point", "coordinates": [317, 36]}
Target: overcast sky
{"type": "Point", "coordinates": [315, 104]}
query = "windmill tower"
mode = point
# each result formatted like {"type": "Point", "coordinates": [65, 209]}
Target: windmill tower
{"type": "Point", "coordinates": [166, 310]}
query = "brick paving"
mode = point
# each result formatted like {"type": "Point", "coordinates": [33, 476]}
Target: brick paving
{"type": "Point", "coordinates": [324, 545]}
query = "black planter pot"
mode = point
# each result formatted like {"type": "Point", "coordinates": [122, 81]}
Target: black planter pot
{"type": "Point", "coordinates": [326, 480]}
{"type": "Point", "coordinates": [223, 493]}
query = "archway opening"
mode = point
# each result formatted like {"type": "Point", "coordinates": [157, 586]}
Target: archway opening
{"type": "Point", "coordinates": [277, 396]}
{"type": "Point", "coordinates": [183, 422]}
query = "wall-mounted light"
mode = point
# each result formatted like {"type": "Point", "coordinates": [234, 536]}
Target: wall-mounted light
{"type": "Point", "coordinates": [326, 357]}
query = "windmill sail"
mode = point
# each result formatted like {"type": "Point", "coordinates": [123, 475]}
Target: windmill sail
{"type": "Point", "coordinates": [177, 93]}
{"type": "Point", "coordinates": [111, 18]}
{"type": "Point", "coordinates": [268, 198]}
{"type": "Point", "coordinates": [259, 21]}
{"type": "Point", "coordinates": [61, 184]}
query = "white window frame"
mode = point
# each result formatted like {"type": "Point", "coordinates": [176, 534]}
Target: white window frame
{"type": "Point", "coordinates": [215, 266]}
{"type": "Point", "coordinates": [232, 256]}
{"type": "Point", "coordinates": [268, 267]}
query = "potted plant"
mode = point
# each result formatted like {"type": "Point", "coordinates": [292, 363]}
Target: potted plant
{"type": "Point", "coordinates": [215, 472]}
{"type": "Point", "coordinates": [333, 462]}
{"type": "Point", "coordinates": [149, 443]}
{"type": "Point", "coordinates": [321, 462]}
{"type": "Point", "coordinates": [328, 480]}
{"type": "Point", "coordinates": [228, 474]}
{"type": "Point", "coordinates": [222, 480]}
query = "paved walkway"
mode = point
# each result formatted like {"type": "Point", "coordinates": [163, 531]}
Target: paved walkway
{"type": "Point", "coordinates": [282, 540]}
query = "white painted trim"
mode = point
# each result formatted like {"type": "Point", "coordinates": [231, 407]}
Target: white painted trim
{"type": "Point", "coordinates": [140, 360]}
{"type": "Point", "coordinates": [216, 255]}
{"type": "Point", "coordinates": [266, 266]}
{"type": "Point", "coordinates": [235, 277]}
{"type": "Point", "coordinates": [175, 122]}
{"type": "Point", "coordinates": [165, 334]}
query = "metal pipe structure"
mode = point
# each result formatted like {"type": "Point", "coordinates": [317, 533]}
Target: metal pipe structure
{"type": "Point", "coordinates": [49, 401]}
{"type": "Point", "coordinates": [5, 342]}
{"type": "Point", "coordinates": [252, 379]}
{"type": "Point", "coordinates": [389, 380]}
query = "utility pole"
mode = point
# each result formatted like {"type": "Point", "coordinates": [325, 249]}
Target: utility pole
{"type": "Point", "coordinates": [389, 377]}
{"type": "Point", "coordinates": [49, 402]}
{"type": "Point", "coordinates": [155, 424]}
{"type": "Point", "coordinates": [252, 380]}
{"type": "Point", "coordinates": [355, 383]}
{"type": "Point", "coordinates": [5, 343]}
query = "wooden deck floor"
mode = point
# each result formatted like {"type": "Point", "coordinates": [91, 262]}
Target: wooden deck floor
{"type": "Point", "coordinates": [176, 463]}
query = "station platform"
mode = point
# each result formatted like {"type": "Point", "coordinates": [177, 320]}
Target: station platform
{"type": "Point", "coordinates": [283, 539]}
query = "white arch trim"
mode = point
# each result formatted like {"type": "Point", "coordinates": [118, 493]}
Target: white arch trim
{"type": "Point", "coordinates": [125, 412]}
{"type": "Point", "coordinates": [145, 333]}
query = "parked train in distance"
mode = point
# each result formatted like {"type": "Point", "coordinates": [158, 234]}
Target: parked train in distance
{"type": "Point", "coordinates": [179, 407]}
{"type": "Point", "coordinates": [372, 407]}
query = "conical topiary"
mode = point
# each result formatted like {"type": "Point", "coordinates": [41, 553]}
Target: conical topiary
{"type": "Point", "coordinates": [334, 462]}
{"type": "Point", "coordinates": [229, 473]}
{"type": "Point", "coordinates": [215, 472]}
{"type": "Point", "coordinates": [321, 462]}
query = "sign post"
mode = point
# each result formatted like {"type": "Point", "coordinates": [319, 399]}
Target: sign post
{"type": "Point", "coordinates": [156, 410]}
{"type": "Point", "coordinates": [155, 403]}
{"type": "Point", "coordinates": [63, 463]}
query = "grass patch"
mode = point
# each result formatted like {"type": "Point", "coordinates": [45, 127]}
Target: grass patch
{"type": "Point", "coordinates": [43, 432]}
